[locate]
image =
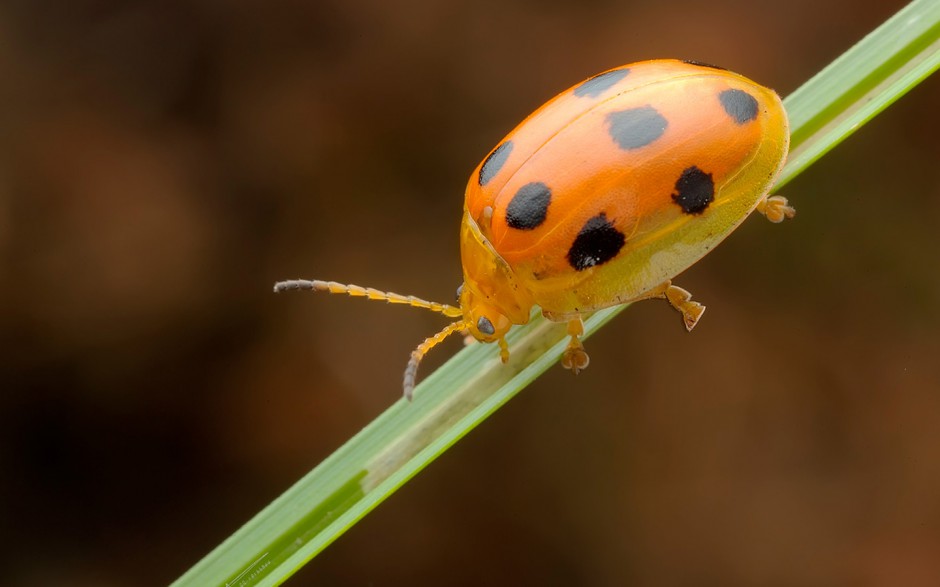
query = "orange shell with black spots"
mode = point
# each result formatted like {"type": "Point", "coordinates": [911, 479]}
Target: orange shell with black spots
{"type": "Point", "coordinates": [617, 185]}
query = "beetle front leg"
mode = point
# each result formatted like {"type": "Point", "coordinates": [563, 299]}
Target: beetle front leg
{"type": "Point", "coordinates": [503, 350]}
{"type": "Point", "coordinates": [575, 358]}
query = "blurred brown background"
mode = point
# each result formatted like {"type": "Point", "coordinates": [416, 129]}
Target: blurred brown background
{"type": "Point", "coordinates": [162, 163]}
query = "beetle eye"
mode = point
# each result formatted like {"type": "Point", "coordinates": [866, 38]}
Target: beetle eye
{"type": "Point", "coordinates": [459, 292]}
{"type": "Point", "coordinates": [485, 326]}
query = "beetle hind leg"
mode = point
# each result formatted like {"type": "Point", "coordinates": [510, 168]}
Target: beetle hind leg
{"type": "Point", "coordinates": [575, 358]}
{"type": "Point", "coordinates": [776, 208]}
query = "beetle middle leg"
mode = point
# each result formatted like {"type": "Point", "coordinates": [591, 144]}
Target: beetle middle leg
{"type": "Point", "coordinates": [681, 300]}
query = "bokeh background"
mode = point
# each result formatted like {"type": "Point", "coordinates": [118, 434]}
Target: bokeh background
{"type": "Point", "coordinates": [163, 162]}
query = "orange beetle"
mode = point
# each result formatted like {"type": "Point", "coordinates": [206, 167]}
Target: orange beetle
{"type": "Point", "coordinates": [602, 196]}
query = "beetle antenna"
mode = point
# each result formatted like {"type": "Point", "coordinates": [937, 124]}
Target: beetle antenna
{"type": "Point", "coordinates": [368, 293]}
{"type": "Point", "coordinates": [411, 371]}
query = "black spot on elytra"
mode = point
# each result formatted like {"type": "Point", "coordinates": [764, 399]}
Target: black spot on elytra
{"type": "Point", "coordinates": [739, 105]}
{"type": "Point", "coordinates": [703, 64]}
{"type": "Point", "coordinates": [600, 83]}
{"type": "Point", "coordinates": [695, 190]}
{"type": "Point", "coordinates": [598, 242]}
{"type": "Point", "coordinates": [636, 127]}
{"type": "Point", "coordinates": [528, 208]}
{"type": "Point", "coordinates": [494, 162]}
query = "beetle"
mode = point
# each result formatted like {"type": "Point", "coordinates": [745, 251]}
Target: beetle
{"type": "Point", "coordinates": [602, 196]}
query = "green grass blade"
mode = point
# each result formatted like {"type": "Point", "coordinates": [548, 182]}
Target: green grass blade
{"type": "Point", "coordinates": [862, 82]}
{"type": "Point", "coordinates": [473, 384]}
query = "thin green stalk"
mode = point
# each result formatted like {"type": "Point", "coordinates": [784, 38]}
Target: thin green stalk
{"type": "Point", "coordinates": [473, 384]}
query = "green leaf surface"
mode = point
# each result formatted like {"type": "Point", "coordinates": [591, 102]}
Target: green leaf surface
{"type": "Point", "coordinates": [473, 384]}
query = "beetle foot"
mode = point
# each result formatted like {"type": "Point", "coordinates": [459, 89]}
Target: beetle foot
{"type": "Point", "coordinates": [682, 301]}
{"type": "Point", "coordinates": [776, 208]}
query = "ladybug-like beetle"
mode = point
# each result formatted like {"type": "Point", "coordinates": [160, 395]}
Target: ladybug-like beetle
{"type": "Point", "coordinates": [602, 196]}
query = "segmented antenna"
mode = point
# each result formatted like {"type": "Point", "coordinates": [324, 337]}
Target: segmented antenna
{"type": "Point", "coordinates": [411, 371]}
{"type": "Point", "coordinates": [357, 291]}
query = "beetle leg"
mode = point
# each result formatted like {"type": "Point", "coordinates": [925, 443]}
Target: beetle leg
{"type": "Point", "coordinates": [681, 300]}
{"type": "Point", "coordinates": [503, 350]}
{"type": "Point", "coordinates": [575, 358]}
{"type": "Point", "coordinates": [776, 208]}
